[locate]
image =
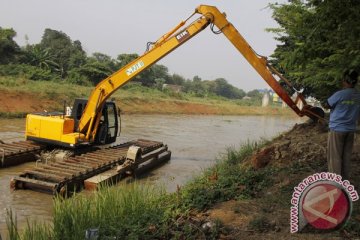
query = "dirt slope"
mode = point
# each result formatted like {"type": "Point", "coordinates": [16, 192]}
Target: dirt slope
{"type": "Point", "coordinates": [295, 155]}
{"type": "Point", "coordinates": [22, 102]}
{"type": "Point", "coordinates": [18, 103]}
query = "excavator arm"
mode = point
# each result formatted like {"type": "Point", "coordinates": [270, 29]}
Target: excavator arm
{"type": "Point", "coordinates": [91, 116]}
{"type": "Point", "coordinates": [259, 63]}
{"type": "Point", "coordinates": [169, 42]}
{"type": "Point", "coordinates": [166, 44]}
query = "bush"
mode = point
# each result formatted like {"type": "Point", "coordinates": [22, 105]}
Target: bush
{"type": "Point", "coordinates": [13, 69]}
{"type": "Point", "coordinates": [118, 212]}
{"type": "Point", "coordinates": [40, 74]}
{"type": "Point", "coordinates": [227, 180]}
{"type": "Point", "coordinates": [27, 71]}
{"type": "Point", "coordinates": [75, 77]}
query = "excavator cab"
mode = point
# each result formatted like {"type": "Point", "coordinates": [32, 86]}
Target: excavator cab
{"type": "Point", "coordinates": [108, 127]}
{"type": "Point", "coordinates": [61, 129]}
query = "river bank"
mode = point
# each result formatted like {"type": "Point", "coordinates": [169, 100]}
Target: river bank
{"type": "Point", "coordinates": [22, 96]}
{"type": "Point", "coordinates": [246, 195]}
{"type": "Point", "coordinates": [187, 136]}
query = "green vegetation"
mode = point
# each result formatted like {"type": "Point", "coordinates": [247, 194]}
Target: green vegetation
{"type": "Point", "coordinates": [319, 41]}
{"type": "Point", "coordinates": [122, 211]}
{"type": "Point", "coordinates": [26, 94]}
{"type": "Point", "coordinates": [9, 50]}
{"type": "Point", "coordinates": [12, 114]}
{"type": "Point", "coordinates": [259, 198]}
{"type": "Point", "coordinates": [57, 58]}
{"type": "Point", "coordinates": [69, 91]}
{"type": "Point", "coordinates": [48, 89]}
{"type": "Point", "coordinates": [145, 212]}
{"type": "Point", "coordinates": [228, 179]}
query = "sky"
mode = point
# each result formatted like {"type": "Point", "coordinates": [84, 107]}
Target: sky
{"type": "Point", "coordinates": [113, 27]}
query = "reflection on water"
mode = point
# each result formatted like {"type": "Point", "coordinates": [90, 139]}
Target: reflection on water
{"type": "Point", "coordinates": [195, 142]}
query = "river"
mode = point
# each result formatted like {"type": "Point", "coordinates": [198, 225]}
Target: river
{"type": "Point", "coordinates": [195, 142]}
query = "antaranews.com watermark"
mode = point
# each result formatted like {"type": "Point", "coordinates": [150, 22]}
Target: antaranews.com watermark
{"type": "Point", "coordinates": [323, 200]}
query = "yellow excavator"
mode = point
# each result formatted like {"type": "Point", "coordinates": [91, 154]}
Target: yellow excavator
{"type": "Point", "coordinates": [94, 121]}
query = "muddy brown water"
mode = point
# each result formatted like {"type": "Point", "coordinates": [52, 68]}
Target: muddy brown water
{"type": "Point", "coordinates": [195, 141]}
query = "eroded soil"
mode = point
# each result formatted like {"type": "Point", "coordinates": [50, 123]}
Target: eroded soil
{"type": "Point", "coordinates": [295, 155]}
{"type": "Point", "coordinates": [22, 102]}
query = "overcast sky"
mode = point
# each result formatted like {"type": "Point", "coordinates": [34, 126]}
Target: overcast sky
{"type": "Point", "coordinates": [117, 26]}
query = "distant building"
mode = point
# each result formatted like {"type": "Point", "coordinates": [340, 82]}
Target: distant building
{"type": "Point", "coordinates": [265, 99]}
{"type": "Point", "coordinates": [172, 87]}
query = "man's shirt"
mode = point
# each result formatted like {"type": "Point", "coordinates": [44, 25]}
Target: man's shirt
{"type": "Point", "coordinates": [345, 110]}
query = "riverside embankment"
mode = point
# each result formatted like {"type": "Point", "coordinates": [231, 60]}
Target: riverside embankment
{"type": "Point", "coordinates": [195, 141]}
{"type": "Point", "coordinates": [21, 96]}
{"type": "Point", "coordinates": [245, 195]}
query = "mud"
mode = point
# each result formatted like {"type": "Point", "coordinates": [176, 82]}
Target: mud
{"type": "Point", "coordinates": [304, 143]}
{"type": "Point", "coordinates": [295, 155]}
{"type": "Point", "coordinates": [18, 102]}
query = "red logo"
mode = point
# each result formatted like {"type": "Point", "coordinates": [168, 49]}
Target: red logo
{"type": "Point", "coordinates": [326, 206]}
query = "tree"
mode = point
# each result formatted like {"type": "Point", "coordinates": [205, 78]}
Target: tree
{"type": "Point", "coordinates": [318, 41]}
{"type": "Point", "coordinates": [42, 58]}
{"type": "Point", "coordinates": [9, 49]}
{"type": "Point", "coordinates": [68, 54]}
{"type": "Point", "coordinates": [125, 58]}
{"type": "Point", "coordinates": [146, 77]}
{"type": "Point", "coordinates": [78, 56]}
{"type": "Point", "coordinates": [94, 70]}
{"type": "Point", "coordinates": [177, 79]}
{"type": "Point", "coordinates": [159, 82]}
{"type": "Point", "coordinates": [255, 94]}
{"type": "Point", "coordinates": [223, 88]}
{"type": "Point", "coordinates": [156, 71]}
{"type": "Point", "coordinates": [196, 79]}
{"type": "Point", "coordinates": [199, 88]}
{"type": "Point", "coordinates": [106, 60]}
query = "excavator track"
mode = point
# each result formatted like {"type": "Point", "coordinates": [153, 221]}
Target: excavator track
{"type": "Point", "coordinates": [15, 153]}
{"type": "Point", "coordinates": [67, 176]}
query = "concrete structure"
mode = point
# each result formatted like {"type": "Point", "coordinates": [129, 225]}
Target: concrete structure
{"type": "Point", "coordinates": [172, 87]}
{"type": "Point", "coordinates": [265, 99]}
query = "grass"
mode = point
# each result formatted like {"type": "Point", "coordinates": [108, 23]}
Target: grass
{"type": "Point", "coordinates": [117, 212]}
{"type": "Point", "coordinates": [147, 212]}
{"type": "Point", "coordinates": [230, 178]}
{"type": "Point", "coordinates": [45, 89]}
{"type": "Point", "coordinates": [133, 98]}
{"type": "Point", "coordinates": [259, 224]}
{"type": "Point", "coordinates": [12, 114]}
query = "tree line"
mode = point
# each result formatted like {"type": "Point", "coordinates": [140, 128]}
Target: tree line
{"type": "Point", "coordinates": [318, 41]}
{"type": "Point", "coordinates": [59, 58]}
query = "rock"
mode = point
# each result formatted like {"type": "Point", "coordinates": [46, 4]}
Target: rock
{"type": "Point", "coordinates": [208, 226]}
{"type": "Point", "coordinates": [263, 157]}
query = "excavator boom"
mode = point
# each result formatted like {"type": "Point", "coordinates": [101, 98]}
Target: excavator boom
{"type": "Point", "coordinates": [90, 120]}
{"type": "Point", "coordinates": [108, 86]}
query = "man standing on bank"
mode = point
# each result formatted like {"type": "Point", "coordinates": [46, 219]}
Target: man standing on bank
{"type": "Point", "coordinates": [344, 114]}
